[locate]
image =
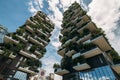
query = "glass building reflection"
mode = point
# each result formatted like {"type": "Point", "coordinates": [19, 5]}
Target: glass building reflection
{"type": "Point", "coordinates": [101, 73]}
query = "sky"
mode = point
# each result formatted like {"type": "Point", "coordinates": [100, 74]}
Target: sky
{"type": "Point", "coordinates": [105, 13]}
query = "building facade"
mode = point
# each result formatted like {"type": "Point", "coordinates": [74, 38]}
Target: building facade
{"type": "Point", "coordinates": [3, 31]}
{"type": "Point", "coordinates": [22, 49]}
{"type": "Point", "coordinates": [86, 52]}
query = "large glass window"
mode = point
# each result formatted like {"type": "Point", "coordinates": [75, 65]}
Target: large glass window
{"type": "Point", "coordinates": [101, 73]}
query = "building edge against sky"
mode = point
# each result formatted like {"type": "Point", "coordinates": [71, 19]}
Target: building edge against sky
{"type": "Point", "coordinates": [86, 51]}
{"type": "Point", "coordinates": [21, 50]}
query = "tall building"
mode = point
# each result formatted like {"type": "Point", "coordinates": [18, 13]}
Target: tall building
{"type": "Point", "coordinates": [22, 49]}
{"type": "Point", "coordinates": [86, 52]}
{"type": "Point", "coordinates": [3, 31]}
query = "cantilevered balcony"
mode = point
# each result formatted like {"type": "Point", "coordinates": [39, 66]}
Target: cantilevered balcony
{"type": "Point", "coordinates": [26, 70]}
{"type": "Point", "coordinates": [93, 52]}
{"type": "Point", "coordinates": [69, 41]}
{"type": "Point", "coordinates": [101, 42]}
{"type": "Point", "coordinates": [84, 38]}
{"type": "Point", "coordinates": [43, 41]}
{"type": "Point", "coordinates": [8, 39]}
{"type": "Point", "coordinates": [66, 30]}
{"type": "Point", "coordinates": [80, 67]}
{"type": "Point", "coordinates": [1, 51]}
{"type": "Point", "coordinates": [61, 52]}
{"type": "Point", "coordinates": [22, 38]}
{"type": "Point", "coordinates": [60, 71]}
{"type": "Point", "coordinates": [29, 29]}
{"type": "Point", "coordinates": [82, 20]}
{"type": "Point", "coordinates": [116, 68]}
{"type": "Point", "coordinates": [28, 55]}
{"type": "Point", "coordinates": [37, 53]}
{"type": "Point", "coordinates": [35, 41]}
{"type": "Point", "coordinates": [91, 26]}
{"type": "Point", "coordinates": [41, 32]}
{"type": "Point", "coordinates": [70, 53]}
{"type": "Point", "coordinates": [88, 53]}
{"type": "Point", "coordinates": [12, 56]}
{"type": "Point", "coordinates": [76, 55]}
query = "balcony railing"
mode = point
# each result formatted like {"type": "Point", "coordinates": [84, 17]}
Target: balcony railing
{"type": "Point", "coordinates": [80, 67]}
{"type": "Point", "coordinates": [86, 37]}
{"type": "Point", "coordinates": [38, 53]}
{"type": "Point", "coordinates": [60, 71]}
{"type": "Point", "coordinates": [35, 41]}
{"type": "Point", "coordinates": [93, 52]}
{"type": "Point", "coordinates": [8, 39]}
{"type": "Point", "coordinates": [70, 53]}
{"type": "Point", "coordinates": [29, 29]}
{"type": "Point", "coordinates": [41, 32]}
{"type": "Point", "coordinates": [101, 42]}
{"type": "Point", "coordinates": [22, 38]}
{"type": "Point", "coordinates": [76, 55]}
{"type": "Point", "coordinates": [28, 55]}
{"type": "Point", "coordinates": [91, 26]}
{"type": "Point", "coordinates": [12, 56]}
{"type": "Point", "coordinates": [26, 70]}
{"type": "Point", "coordinates": [116, 68]}
{"type": "Point", "coordinates": [1, 51]}
{"type": "Point", "coordinates": [66, 30]}
{"type": "Point", "coordinates": [43, 41]}
{"type": "Point", "coordinates": [61, 52]}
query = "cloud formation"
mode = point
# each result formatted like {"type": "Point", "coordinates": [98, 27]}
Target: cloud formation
{"type": "Point", "coordinates": [106, 14]}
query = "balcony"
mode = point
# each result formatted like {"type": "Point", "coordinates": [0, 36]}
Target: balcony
{"type": "Point", "coordinates": [61, 52]}
{"type": "Point", "coordinates": [86, 37]}
{"type": "Point", "coordinates": [43, 41]}
{"type": "Point", "coordinates": [116, 68]}
{"type": "Point", "coordinates": [28, 55]}
{"type": "Point", "coordinates": [70, 53]}
{"type": "Point", "coordinates": [26, 70]}
{"type": "Point", "coordinates": [12, 56]}
{"type": "Point", "coordinates": [1, 51]}
{"type": "Point", "coordinates": [35, 41]}
{"type": "Point", "coordinates": [66, 30]}
{"type": "Point", "coordinates": [101, 42]}
{"type": "Point", "coordinates": [91, 26]}
{"type": "Point", "coordinates": [22, 38]}
{"type": "Point", "coordinates": [82, 20]}
{"type": "Point", "coordinates": [8, 39]}
{"type": "Point", "coordinates": [41, 32]}
{"type": "Point", "coordinates": [38, 53]}
{"type": "Point", "coordinates": [29, 29]}
{"type": "Point", "coordinates": [60, 71]}
{"type": "Point", "coordinates": [69, 41]}
{"type": "Point", "coordinates": [76, 55]}
{"type": "Point", "coordinates": [80, 67]}
{"type": "Point", "coordinates": [93, 52]}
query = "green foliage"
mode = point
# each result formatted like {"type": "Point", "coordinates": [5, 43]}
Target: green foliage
{"type": "Point", "coordinates": [79, 59]}
{"type": "Point", "coordinates": [86, 31]}
{"type": "Point", "coordinates": [32, 49]}
{"type": "Point", "coordinates": [20, 31]}
{"type": "Point", "coordinates": [64, 39]}
{"type": "Point", "coordinates": [56, 66]}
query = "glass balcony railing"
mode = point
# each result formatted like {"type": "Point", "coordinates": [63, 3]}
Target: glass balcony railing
{"type": "Point", "coordinates": [82, 66]}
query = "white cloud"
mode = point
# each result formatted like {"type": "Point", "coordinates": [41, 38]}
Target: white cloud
{"type": "Point", "coordinates": [105, 14]}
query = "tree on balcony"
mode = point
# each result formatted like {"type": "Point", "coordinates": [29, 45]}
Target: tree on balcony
{"type": "Point", "coordinates": [115, 56]}
{"type": "Point", "coordinates": [20, 31]}
{"type": "Point", "coordinates": [32, 49]}
{"type": "Point", "coordinates": [79, 59]}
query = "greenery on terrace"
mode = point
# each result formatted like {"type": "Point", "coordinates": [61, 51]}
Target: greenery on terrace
{"type": "Point", "coordinates": [33, 64]}
{"type": "Point", "coordinates": [79, 59]}
{"type": "Point", "coordinates": [115, 56]}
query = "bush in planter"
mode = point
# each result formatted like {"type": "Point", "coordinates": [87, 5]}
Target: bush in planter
{"type": "Point", "coordinates": [32, 49]}
{"type": "Point", "coordinates": [55, 66]}
{"type": "Point", "coordinates": [79, 59]}
{"type": "Point", "coordinates": [86, 31]}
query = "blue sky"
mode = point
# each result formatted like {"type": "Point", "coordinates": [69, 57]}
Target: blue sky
{"type": "Point", "coordinates": [105, 13]}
